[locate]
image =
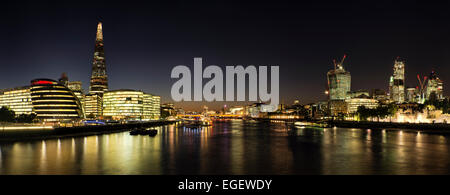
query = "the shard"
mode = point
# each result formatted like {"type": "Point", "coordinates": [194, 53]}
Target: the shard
{"type": "Point", "coordinates": [99, 79]}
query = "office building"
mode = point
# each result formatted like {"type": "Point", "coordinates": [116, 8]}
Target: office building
{"type": "Point", "coordinates": [339, 82]}
{"type": "Point", "coordinates": [52, 101]}
{"type": "Point", "coordinates": [362, 100]}
{"type": "Point", "coordinates": [17, 99]}
{"type": "Point", "coordinates": [412, 94]}
{"type": "Point", "coordinates": [127, 104]}
{"type": "Point", "coordinates": [99, 78]}
{"type": "Point", "coordinates": [92, 106]}
{"type": "Point", "coordinates": [397, 82]}
{"type": "Point", "coordinates": [434, 88]}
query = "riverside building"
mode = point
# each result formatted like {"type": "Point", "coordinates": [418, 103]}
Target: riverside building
{"type": "Point", "coordinates": [99, 79]}
{"type": "Point", "coordinates": [362, 100]}
{"type": "Point", "coordinates": [52, 101]}
{"type": "Point", "coordinates": [93, 106]}
{"type": "Point", "coordinates": [17, 99]}
{"type": "Point", "coordinates": [127, 104]}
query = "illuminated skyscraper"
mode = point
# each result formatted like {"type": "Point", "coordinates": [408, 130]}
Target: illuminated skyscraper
{"type": "Point", "coordinates": [434, 88]}
{"type": "Point", "coordinates": [339, 82]}
{"type": "Point", "coordinates": [397, 82]}
{"type": "Point", "coordinates": [99, 79]}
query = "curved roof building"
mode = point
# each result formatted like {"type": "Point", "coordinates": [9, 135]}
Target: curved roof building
{"type": "Point", "coordinates": [52, 101]}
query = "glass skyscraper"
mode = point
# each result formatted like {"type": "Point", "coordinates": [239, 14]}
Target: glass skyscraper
{"type": "Point", "coordinates": [99, 79]}
{"type": "Point", "coordinates": [339, 83]}
{"type": "Point", "coordinates": [397, 82]}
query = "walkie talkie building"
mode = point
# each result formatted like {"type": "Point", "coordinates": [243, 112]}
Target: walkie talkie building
{"type": "Point", "coordinates": [339, 81]}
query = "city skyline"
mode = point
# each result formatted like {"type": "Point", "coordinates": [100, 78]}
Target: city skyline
{"type": "Point", "coordinates": [145, 64]}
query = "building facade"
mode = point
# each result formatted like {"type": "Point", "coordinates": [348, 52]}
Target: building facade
{"type": "Point", "coordinates": [354, 103]}
{"type": "Point", "coordinates": [354, 94]}
{"type": "Point", "coordinates": [99, 78]}
{"type": "Point", "coordinates": [397, 82]}
{"type": "Point", "coordinates": [337, 107]}
{"type": "Point", "coordinates": [129, 104]}
{"type": "Point", "coordinates": [412, 95]}
{"type": "Point", "coordinates": [92, 106]}
{"type": "Point", "coordinates": [52, 101]}
{"type": "Point", "coordinates": [339, 83]}
{"type": "Point", "coordinates": [17, 99]}
{"type": "Point", "coordinates": [434, 88]}
{"type": "Point", "coordinates": [76, 87]}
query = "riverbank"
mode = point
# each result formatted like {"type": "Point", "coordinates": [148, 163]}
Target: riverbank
{"type": "Point", "coordinates": [438, 128]}
{"type": "Point", "coordinates": [66, 132]}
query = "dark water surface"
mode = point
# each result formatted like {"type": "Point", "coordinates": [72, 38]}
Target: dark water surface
{"type": "Point", "coordinates": [234, 147]}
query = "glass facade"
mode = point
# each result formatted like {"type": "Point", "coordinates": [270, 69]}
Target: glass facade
{"type": "Point", "coordinates": [354, 103]}
{"type": "Point", "coordinates": [76, 87]}
{"type": "Point", "coordinates": [339, 83]}
{"type": "Point", "coordinates": [17, 99]}
{"type": "Point", "coordinates": [397, 82]}
{"type": "Point", "coordinates": [130, 105]}
{"type": "Point", "coordinates": [53, 101]}
{"type": "Point", "coordinates": [434, 87]}
{"type": "Point", "coordinates": [92, 106]}
{"type": "Point", "coordinates": [99, 79]}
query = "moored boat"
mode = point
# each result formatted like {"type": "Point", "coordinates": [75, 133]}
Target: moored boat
{"type": "Point", "coordinates": [152, 132]}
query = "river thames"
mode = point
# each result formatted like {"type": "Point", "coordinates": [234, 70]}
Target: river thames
{"type": "Point", "coordinates": [234, 147]}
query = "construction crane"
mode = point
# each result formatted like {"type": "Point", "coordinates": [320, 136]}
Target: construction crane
{"type": "Point", "coordinates": [422, 87]}
{"type": "Point", "coordinates": [422, 82]}
{"type": "Point", "coordinates": [340, 65]}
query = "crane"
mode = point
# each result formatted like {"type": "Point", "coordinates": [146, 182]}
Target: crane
{"type": "Point", "coordinates": [342, 62]}
{"type": "Point", "coordinates": [339, 65]}
{"type": "Point", "coordinates": [422, 86]}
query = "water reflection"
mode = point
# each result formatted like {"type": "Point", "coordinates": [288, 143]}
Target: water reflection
{"type": "Point", "coordinates": [234, 147]}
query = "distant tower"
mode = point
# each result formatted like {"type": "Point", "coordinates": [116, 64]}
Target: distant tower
{"type": "Point", "coordinates": [99, 79]}
{"type": "Point", "coordinates": [434, 88]}
{"type": "Point", "coordinates": [64, 80]}
{"type": "Point", "coordinates": [397, 82]}
{"type": "Point", "coordinates": [339, 81]}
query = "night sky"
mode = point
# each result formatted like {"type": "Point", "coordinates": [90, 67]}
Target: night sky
{"type": "Point", "coordinates": [144, 41]}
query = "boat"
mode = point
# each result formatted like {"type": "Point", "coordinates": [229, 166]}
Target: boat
{"type": "Point", "coordinates": [134, 132]}
{"type": "Point", "coordinates": [140, 132]}
{"type": "Point", "coordinates": [309, 124]}
{"type": "Point", "coordinates": [202, 122]}
{"type": "Point", "coordinates": [137, 132]}
{"type": "Point", "coordinates": [152, 132]}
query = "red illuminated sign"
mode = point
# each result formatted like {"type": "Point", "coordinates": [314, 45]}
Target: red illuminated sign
{"type": "Point", "coordinates": [42, 83]}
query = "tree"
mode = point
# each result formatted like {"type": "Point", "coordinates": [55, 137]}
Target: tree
{"type": "Point", "coordinates": [363, 113]}
{"type": "Point", "coordinates": [6, 114]}
{"type": "Point", "coordinates": [380, 112]}
{"type": "Point", "coordinates": [392, 110]}
{"type": "Point", "coordinates": [26, 118]}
